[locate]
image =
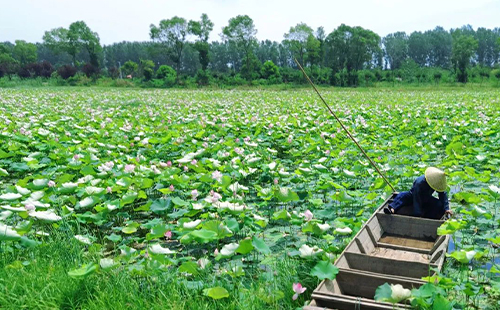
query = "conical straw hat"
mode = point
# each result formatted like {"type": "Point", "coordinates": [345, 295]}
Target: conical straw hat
{"type": "Point", "coordinates": [436, 179]}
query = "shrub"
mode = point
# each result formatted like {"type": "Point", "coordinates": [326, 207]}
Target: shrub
{"type": "Point", "coordinates": [90, 70]}
{"type": "Point", "coordinates": [167, 74]}
{"type": "Point", "coordinates": [66, 71]}
{"type": "Point", "coordinates": [113, 72]}
{"type": "Point", "coordinates": [129, 68]}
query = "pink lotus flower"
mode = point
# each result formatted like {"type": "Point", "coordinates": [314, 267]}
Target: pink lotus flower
{"type": "Point", "coordinates": [129, 168]}
{"type": "Point", "coordinates": [289, 140]}
{"type": "Point", "coordinates": [327, 152]}
{"type": "Point", "coordinates": [169, 163]}
{"type": "Point", "coordinates": [29, 207]}
{"type": "Point", "coordinates": [216, 197]}
{"type": "Point", "coordinates": [205, 144]}
{"type": "Point", "coordinates": [276, 181]}
{"type": "Point", "coordinates": [56, 139]}
{"type": "Point", "coordinates": [171, 188]}
{"type": "Point", "coordinates": [298, 289]}
{"type": "Point", "coordinates": [51, 183]}
{"type": "Point", "coordinates": [216, 252]}
{"type": "Point", "coordinates": [308, 215]}
{"type": "Point", "coordinates": [216, 175]}
{"type": "Point", "coordinates": [246, 139]}
{"type": "Point", "coordinates": [76, 156]}
{"type": "Point", "coordinates": [193, 162]}
{"type": "Point", "coordinates": [238, 150]}
{"type": "Point", "coordinates": [186, 168]}
{"type": "Point", "coordinates": [194, 194]}
{"type": "Point", "coordinates": [237, 140]}
{"type": "Point", "coordinates": [109, 190]}
{"type": "Point", "coordinates": [168, 234]}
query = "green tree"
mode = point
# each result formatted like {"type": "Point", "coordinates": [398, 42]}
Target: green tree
{"type": "Point", "coordinates": [202, 30]}
{"type": "Point", "coordinates": [419, 48]}
{"type": "Point", "coordinates": [167, 74]}
{"type": "Point", "coordinates": [8, 65]}
{"type": "Point", "coordinates": [440, 45]}
{"type": "Point", "coordinates": [313, 49]}
{"type": "Point", "coordinates": [146, 69]}
{"type": "Point", "coordinates": [241, 32]}
{"type": "Point", "coordinates": [396, 49]}
{"type": "Point", "coordinates": [57, 41]}
{"type": "Point", "coordinates": [350, 49]}
{"type": "Point", "coordinates": [129, 68]}
{"type": "Point", "coordinates": [73, 40]}
{"type": "Point", "coordinates": [172, 34]}
{"type": "Point", "coordinates": [270, 72]}
{"type": "Point", "coordinates": [25, 52]}
{"type": "Point", "coordinates": [487, 48]}
{"type": "Point", "coordinates": [296, 39]}
{"type": "Point", "coordinates": [321, 36]}
{"type": "Point", "coordinates": [464, 49]}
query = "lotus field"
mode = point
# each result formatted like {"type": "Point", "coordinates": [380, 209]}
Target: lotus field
{"type": "Point", "coordinates": [113, 199]}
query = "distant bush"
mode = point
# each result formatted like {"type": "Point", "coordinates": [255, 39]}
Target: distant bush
{"type": "Point", "coordinates": [66, 71]}
{"type": "Point", "coordinates": [113, 72]}
{"type": "Point", "coordinates": [90, 70]}
{"type": "Point", "coordinates": [167, 74]}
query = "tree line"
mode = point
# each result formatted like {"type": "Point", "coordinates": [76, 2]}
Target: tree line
{"type": "Point", "coordinates": [179, 52]}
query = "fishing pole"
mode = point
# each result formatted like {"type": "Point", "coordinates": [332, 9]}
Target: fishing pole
{"type": "Point", "coordinates": [344, 128]}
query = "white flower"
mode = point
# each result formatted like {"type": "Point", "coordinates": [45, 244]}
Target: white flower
{"type": "Point", "coordinates": [324, 227]}
{"type": "Point", "coordinates": [216, 175]}
{"type": "Point", "coordinates": [343, 231]}
{"type": "Point", "coordinates": [308, 215]}
{"type": "Point", "coordinates": [190, 225]}
{"type": "Point", "coordinates": [307, 251]}
{"type": "Point", "coordinates": [229, 249]}
{"type": "Point", "coordinates": [470, 255]}
{"type": "Point", "coordinates": [399, 293]}
{"type": "Point", "coordinates": [158, 249]}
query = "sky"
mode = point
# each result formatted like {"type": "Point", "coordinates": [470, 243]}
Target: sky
{"type": "Point", "coordinates": [128, 20]}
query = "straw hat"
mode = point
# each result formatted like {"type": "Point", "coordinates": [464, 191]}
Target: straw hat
{"type": "Point", "coordinates": [436, 179]}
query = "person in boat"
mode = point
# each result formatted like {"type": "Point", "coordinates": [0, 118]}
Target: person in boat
{"type": "Point", "coordinates": [421, 198]}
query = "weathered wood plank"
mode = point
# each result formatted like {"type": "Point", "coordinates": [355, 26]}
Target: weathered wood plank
{"type": "Point", "coordinates": [407, 242]}
{"type": "Point", "coordinates": [360, 245]}
{"type": "Point", "coordinates": [388, 266]}
{"type": "Point", "coordinates": [407, 226]}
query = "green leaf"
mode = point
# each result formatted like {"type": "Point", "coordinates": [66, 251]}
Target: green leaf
{"type": "Point", "coordinates": [83, 272]}
{"type": "Point", "coordinates": [203, 235]}
{"type": "Point", "coordinates": [441, 303]}
{"type": "Point", "coordinates": [128, 198]}
{"type": "Point", "coordinates": [160, 205]}
{"type": "Point", "coordinates": [114, 238]}
{"type": "Point", "coordinates": [325, 270]}
{"type": "Point", "coordinates": [216, 292]}
{"type": "Point", "coordinates": [179, 202]}
{"type": "Point", "coordinates": [260, 245]}
{"type": "Point", "coordinates": [189, 267]}
{"type": "Point", "coordinates": [383, 293]}
{"type": "Point", "coordinates": [245, 246]}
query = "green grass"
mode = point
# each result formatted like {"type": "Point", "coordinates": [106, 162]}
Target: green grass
{"type": "Point", "coordinates": [37, 278]}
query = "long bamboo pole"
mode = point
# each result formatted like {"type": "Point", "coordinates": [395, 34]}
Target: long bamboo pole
{"type": "Point", "coordinates": [343, 127]}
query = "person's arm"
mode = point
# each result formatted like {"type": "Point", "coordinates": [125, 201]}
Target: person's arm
{"type": "Point", "coordinates": [443, 197]}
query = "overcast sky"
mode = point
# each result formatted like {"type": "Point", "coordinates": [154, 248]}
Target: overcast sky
{"type": "Point", "coordinates": [119, 20]}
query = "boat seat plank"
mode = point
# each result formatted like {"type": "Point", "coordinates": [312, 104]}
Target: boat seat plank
{"type": "Point", "coordinates": [406, 242]}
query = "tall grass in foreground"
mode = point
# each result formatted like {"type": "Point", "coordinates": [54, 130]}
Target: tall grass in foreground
{"type": "Point", "coordinates": [37, 278]}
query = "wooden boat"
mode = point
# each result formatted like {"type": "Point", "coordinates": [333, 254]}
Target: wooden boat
{"type": "Point", "coordinates": [397, 249]}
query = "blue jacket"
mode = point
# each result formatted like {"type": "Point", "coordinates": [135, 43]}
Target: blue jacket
{"type": "Point", "coordinates": [420, 196]}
